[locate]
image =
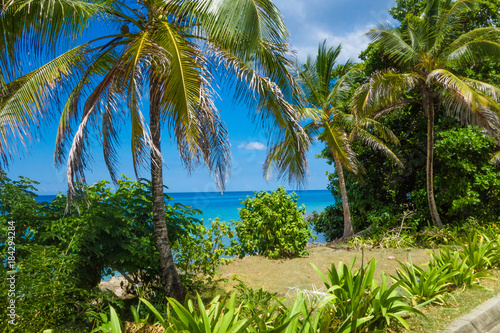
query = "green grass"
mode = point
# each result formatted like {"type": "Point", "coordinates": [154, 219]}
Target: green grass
{"type": "Point", "coordinates": [285, 276]}
{"type": "Point", "coordinates": [282, 276]}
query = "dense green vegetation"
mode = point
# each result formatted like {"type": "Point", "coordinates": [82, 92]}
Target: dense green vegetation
{"type": "Point", "coordinates": [62, 251]}
{"type": "Point", "coordinates": [463, 180]}
{"type": "Point", "coordinates": [354, 301]}
{"type": "Point", "coordinates": [272, 225]}
{"type": "Point", "coordinates": [426, 96]}
{"type": "Point", "coordinates": [328, 88]}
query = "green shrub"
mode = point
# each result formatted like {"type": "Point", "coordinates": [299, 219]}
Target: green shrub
{"type": "Point", "coordinates": [272, 225]}
{"type": "Point", "coordinates": [425, 286]}
{"type": "Point", "coordinates": [359, 299]}
{"type": "Point", "coordinates": [199, 252]}
{"type": "Point", "coordinates": [223, 315]}
{"type": "Point", "coordinates": [256, 301]}
{"type": "Point", "coordinates": [479, 251]}
{"type": "Point", "coordinates": [466, 276]}
{"type": "Point", "coordinates": [330, 223]}
{"type": "Point", "coordinates": [61, 254]}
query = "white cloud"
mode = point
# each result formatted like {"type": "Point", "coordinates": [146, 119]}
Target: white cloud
{"type": "Point", "coordinates": [310, 22]}
{"type": "Point", "coordinates": [352, 44]}
{"type": "Point", "coordinates": [253, 146]}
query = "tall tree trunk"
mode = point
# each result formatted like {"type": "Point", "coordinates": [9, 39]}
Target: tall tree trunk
{"type": "Point", "coordinates": [428, 104]}
{"type": "Point", "coordinates": [348, 230]}
{"type": "Point", "coordinates": [170, 280]}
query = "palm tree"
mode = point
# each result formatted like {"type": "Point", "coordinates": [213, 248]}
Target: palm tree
{"type": "Point", "coordinates": [327, 86]}
{"type": "Point", "coordinates": [173, 50]}
{"type": "Point", "coordinates": [426, 52]}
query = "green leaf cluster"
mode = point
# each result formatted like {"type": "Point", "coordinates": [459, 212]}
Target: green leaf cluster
{"type": "Point", "coordinates": [358, 298]}
{"type": "Point", "coordinates": [271, 224]}
{"type": "Point", "coordinates": [63, 250]}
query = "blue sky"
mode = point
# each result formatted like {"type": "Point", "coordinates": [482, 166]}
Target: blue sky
{"type": "Point", "coordinates": [309, 22]}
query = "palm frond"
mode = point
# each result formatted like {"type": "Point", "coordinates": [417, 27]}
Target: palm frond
{"type": "Point", "coordinates": [378, 129]}
{"type": "Point", "coordinates": [339, 94]}
{"type": "Point", "coordinates": [307, 76]}
{"type": "Point", "coordinates": [179, 88]}
{"type": "Point", "coordinates": [393, 43]}
{"type": "Point", "coordinates": [468, 104]}
{"type": "Point", "coordinates": [239, 25]}
{"type": "Point", "coordinates": [132, 77]}
{"type": "Point", "coordinates": [32, 96]}
{"type": "Point", "coordinates": [44, 21]}
{"type": "Point", "coordinates": [375, 143]}
{"type": "Point", "coordinates": [289, 158]}
{"type": "Point", "coordinates": [100, 102]}
{"type": "Point", "coordinates": [422, 36]}
{"type": "Point", "coordinates": [186, 98]}
{"type": "Point", "coordinates": [474, 50]}
{"type": "Point", "coordinates": [336, 141]}
{"type": "Point", "coordinates": [274, 112]}
{"type": "Point", "coordinates": [99, 65]}
{"type": "Point", "coordinates": [385, 90]}
{"type": "Point", "coordinates": [450, 18]}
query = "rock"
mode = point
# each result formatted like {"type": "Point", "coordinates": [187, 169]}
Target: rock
{"type": "Point", "coordinates": [115, 285]}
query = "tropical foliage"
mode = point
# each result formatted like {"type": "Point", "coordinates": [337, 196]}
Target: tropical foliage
{"type": "Point", "coordinates": [326, 110]}
{"type": "Point", "coordinates": [461, 154]}
{"type": "Point", "coordinates": [354, 304]}
{"type": "Point", "coordinates": [427, 97]}
{"type": "Point", "coordinates": [426, 52]}
{"type": "Point", "coordinates": [170, 51]}
{"type": "Point", "coordinates": [271, 224]}
{"type": "Point", "coordinates": [64, 252]}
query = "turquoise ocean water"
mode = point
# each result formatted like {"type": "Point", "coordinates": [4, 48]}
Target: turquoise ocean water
{"type": "Point", "coordinates": [225, 206]}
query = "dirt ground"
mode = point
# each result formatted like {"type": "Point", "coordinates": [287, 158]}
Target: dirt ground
{"type": "Point", "coordinates": [283, 276]}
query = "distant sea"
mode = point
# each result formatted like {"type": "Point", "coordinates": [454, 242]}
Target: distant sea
{"type": "Point", "coordinates": [225, 206]}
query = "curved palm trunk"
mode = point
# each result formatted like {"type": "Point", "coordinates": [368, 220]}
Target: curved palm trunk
{"type": "Point", "coordinates": [168, 273]}
{"type": "Point", "coordinates": [428, 105]}
{"type": "Point", "coordinates": [348, 230]}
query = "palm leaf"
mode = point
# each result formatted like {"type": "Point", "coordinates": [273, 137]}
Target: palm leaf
{"type": "Point", "coordinates": [45, 21]}
{"type": "Point", "coordinates": [393, 43]}
{"type": "Point", "coordinates": [30, 97]}
{"type": "Point", "coordinates": [473, 51]}
{"type": "Point", "coordinates": [466, 103]}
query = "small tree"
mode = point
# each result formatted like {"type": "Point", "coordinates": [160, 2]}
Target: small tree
{"type": "Point", "coordinates": [272, 225]}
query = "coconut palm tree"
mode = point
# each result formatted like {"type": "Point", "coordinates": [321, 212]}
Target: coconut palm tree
{"type": "Point", "coordinates": [426, 52]}
{"type": "Point", "coordinates": [327, 89]}
{"type": "Point", "coordinates": [172, 51]}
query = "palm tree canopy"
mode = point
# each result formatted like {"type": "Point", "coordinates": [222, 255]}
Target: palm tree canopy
{"type": "Point", "coordinates": [177, 49]}
{"type": "Point", "coordinates": [327, 88]}
{"type": "Point", "coordinates": [426, 52]}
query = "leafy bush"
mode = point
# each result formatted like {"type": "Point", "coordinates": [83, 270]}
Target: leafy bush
{"type": "Point", "coordinates": [62, 254]}
{"type": "Point", "coordinates": [256, 301]}
{"type": "Point", "coordinates": [226, 315]}
{"type": "Point", "coordinates": [467, 275]}
{"type": "Point", "coordinates": [329, 223]}
{"type": "Point", "coordinates": [272, 225]}
{"type": "Point", "coordinates": [357, 297]}
{"type": "Point", "coordinates": [425, 286]}
{"type": "Point", "coordinates": [479, 251]}
{"type": "Point", "coordinates": [199, 252]}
